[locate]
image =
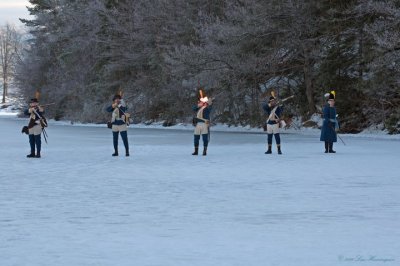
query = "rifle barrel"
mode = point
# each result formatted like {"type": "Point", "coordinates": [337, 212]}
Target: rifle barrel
{"type": "Point", "coordinates": [42, 105]}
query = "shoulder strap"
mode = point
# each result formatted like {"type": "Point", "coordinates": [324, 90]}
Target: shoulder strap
{"type": "Point", "coordinates": [272, 113]}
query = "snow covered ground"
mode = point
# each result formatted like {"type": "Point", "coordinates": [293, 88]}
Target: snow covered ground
{"type": "Point", "coordinates": [161, 206]}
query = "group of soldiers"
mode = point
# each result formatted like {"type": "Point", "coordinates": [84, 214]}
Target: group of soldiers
{"type": "Point", "coordinates": [120, 120]}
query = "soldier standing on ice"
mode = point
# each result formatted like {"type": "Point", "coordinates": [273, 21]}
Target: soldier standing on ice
{"type": "Point", "coordinates": [330, 124]}
{"type": "Point", "coordinates": [202, 124]}
{"type": "Point", "coordinates": [119, 123]}
{"type": "Point", "coordinates": [274, 112]}
{"type": "Point", "coordinates": [35, 127]}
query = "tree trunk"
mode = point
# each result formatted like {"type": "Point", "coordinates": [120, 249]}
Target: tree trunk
{"type": "Point", "coordinates": [4, 91]}
{"type": "Point", "coordinates": [307, 68]}
{"type": "Point", "coordinates": [361, 54]}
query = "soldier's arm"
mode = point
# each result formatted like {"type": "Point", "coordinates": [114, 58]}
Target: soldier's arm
{"type": "Point", "coordinates": [110, 109]}
{"type": "Point", "coordinates": [332, 115]}
{"type": "Point", "coordinates": [266, 108]}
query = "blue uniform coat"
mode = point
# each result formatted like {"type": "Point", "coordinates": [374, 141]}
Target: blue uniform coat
{"type": "Point", "coordinates": [267, 109]}
{"type": "Point", "coordinates": [206, 113]}
{"type": "Point", "coordinates": [328, 132]}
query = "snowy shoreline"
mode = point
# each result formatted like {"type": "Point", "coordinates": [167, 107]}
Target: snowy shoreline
{"type": "Point", "coordinates": [368, 133]}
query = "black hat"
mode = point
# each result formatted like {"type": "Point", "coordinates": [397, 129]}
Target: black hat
{"type": "Point", "coordinates": [117, 96]}
{"type": "Point", "coordinates": [34, 100]}
{"type": "Point", "coordinates": [330, 95]}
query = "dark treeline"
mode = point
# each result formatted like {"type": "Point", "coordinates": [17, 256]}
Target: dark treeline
{"type": "Point", "coordinates": [159, 51]}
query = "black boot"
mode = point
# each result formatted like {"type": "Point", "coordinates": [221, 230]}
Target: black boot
{"type": "Point", "coordinates": [32, 155]}
{"type": "Point", "coordinates": [326, 147]}
{"type": "Point", "coordinates": [205, 151]}
{"type": "Point", "coordinates": [279, 149]}
{"type": "Point", "coordinates": [196, 151]}
{"type": "Point", "coordinates": [37, 155]}
{"type": "Point", "coordinates": [115, 153]}
{"type": "Point", "coordinates": [127, 153]}
{"type": "Point", "coordinates": [331, 148]}
{"type": "Point", "coordinates": [269, 151]}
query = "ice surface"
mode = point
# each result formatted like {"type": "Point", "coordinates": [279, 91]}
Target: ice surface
{"type": "Point", "coordinates": [161, 206]}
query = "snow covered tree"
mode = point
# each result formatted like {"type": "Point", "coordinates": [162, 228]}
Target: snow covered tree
{"type": "Point", "coordinates": [82, 52]}
{"type": "Point", "coordinates": [10, 46]}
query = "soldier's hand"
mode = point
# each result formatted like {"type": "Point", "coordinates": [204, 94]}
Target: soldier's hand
{"type": "Point", "coordinates": [114, 105]}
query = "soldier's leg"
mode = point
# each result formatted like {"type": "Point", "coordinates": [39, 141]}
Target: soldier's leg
{"type": "Point", "coordinates": [32, 144]}
{"type": "Point", "coordinates": [331, 148]}
{"type": "Point", "coordinates": [115, 143]}
{"type": "Point", "coordinates": [196, 144]}
{"type": "Point", "coordinates": [38, 142]}
{"type": "Point", "coordinates": [278, 142]}
{"type": "Point", "coordinates": [277, 135]}
{"type": "Point", "coordinates": [270, 134]}
{"type": "Point", "coordinates": [38, 139]}
{"type": "Point", "coordinates": [269, 150]}
{"type": "Point", "coordinates": [326, 147]}
{"type": "Point", "coordinates": [197, 133]}
{"type": "Point", "coordinates": [205, 143]}
{"type": "Point", "coordinates": [124, 135]}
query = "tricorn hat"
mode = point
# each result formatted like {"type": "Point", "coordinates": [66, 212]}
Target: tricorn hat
{"type": "Point", "coordinates": [34, 100]}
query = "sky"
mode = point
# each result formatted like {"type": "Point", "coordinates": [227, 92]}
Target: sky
{"type": "Point", "coordinates": [12, 10]}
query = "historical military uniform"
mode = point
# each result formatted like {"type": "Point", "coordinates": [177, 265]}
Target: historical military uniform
{"type": "Point", "coordinates": [119, 121]}
{"type": "Point", "coordinates": [35, 127]}
{"type": "Point", "coordinates": [274, 112]}
{"type": "Point", "coordinates": [330, 124]}
{"type": "Point", "coordinates": [202, 122]}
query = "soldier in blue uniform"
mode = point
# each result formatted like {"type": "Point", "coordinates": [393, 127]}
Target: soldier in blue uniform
{"type": "Point", "coordinates": [35, 127]}
{"type": "Point", "coordinates": [202, 123]}
{"type": "Point", "coordinates": [119, 121]}
{"type": "Point", "coordinates": [274, 112]}
{"type": "Point", "coordinates": [330, 124]}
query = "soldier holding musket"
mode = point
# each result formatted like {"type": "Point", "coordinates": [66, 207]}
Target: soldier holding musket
{"type": "Point", "coordinates": [119, 123]}
{"type": "Point", "coordinates": [35, 127]}
{"type": "Point", "coordinates": [202, 123]}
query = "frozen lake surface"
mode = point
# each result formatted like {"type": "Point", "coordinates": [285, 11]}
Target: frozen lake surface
{"type": "Point", "coordinates": [77, 205]}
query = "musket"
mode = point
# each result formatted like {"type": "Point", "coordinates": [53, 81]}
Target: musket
{"type": "Point", "coordinates": [127, 116]}
{"type": "Point", "coordinates": [340, 139]}
{"type": "Point", "coordinates": [337, 135]}
{"type": "Point", "coordinates": [47, 104]}
{"type": "Point", "coordinates": [280, 100]}
{"type": "Point", "coordinates": [285, 99]}
{"type": "Point", "coordinates": [44, 131]}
